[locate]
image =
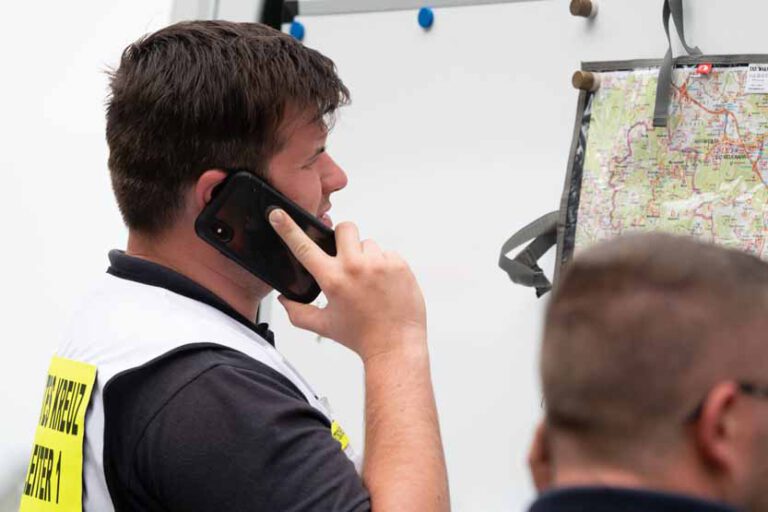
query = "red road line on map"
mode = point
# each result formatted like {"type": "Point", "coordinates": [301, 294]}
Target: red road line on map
{"type": "Point", "coordinates": [629, 142]}
{"type": "Point", "coordinates": [618, 160]}
{"type": "Point", "coordinates": [683, 91]}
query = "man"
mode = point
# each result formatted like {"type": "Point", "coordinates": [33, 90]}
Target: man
{"type": "Point", "coordinates": [193, 408]}
{"type": "Point", "coordinates": [654, 369]}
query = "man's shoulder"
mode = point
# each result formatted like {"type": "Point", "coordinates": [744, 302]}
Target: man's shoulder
{"type": "Point", "coordinates": [142, 332]}
{"type": "Point", "coordinates": [139, 394]}
{"type": "Point", "coordinates": [179, 399]}
{"type": "Point", "coordinates": [208, 417]}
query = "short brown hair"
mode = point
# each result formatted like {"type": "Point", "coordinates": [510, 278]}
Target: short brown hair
{"type": "Point", "coordinates": [640, 328]}
{"type": "Point", "coordinates": [200, 95]}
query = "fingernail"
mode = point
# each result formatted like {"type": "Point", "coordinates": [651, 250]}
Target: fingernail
{"type": "Point", "coordinates": [276, 216]}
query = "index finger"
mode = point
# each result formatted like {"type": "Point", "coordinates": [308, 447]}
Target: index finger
{"type": "Point", "coordinates": [306, 251]}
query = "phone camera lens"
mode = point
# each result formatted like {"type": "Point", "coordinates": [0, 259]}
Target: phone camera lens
{"type": "Point", "coordinates": [222, 231]}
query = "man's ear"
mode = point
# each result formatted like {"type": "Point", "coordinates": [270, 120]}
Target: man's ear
{"type": "Point", "coordinates": [540, 458]}
{"type": "Point", "coordinates": [718, 429]}
{"type": "Point", "coordinates": [205, 185]}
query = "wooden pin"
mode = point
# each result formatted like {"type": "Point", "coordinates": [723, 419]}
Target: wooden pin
{"type": "Point", "coordinates": [584, 8]}
{"type": "Point", "coordinates": [586, 81]}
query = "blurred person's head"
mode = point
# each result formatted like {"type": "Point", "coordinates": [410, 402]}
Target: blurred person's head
{"type": "Point", "coordinates": [654, 368]}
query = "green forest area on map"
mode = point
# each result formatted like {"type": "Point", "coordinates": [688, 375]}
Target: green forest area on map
{"type": "Point", "coordinates": [705, 174]}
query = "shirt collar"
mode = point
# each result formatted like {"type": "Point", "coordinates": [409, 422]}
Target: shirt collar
{"type": "Point", "coordinates": [146, 272]}
{"type": "Point", "coordinates": [611, 499]}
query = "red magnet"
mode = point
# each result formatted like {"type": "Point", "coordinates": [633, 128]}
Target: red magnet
{"type": "Point", "coordinates": [704, 68]}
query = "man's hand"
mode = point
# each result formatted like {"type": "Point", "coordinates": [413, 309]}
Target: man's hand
{"type": "Point", "coordinates": [375, 305]}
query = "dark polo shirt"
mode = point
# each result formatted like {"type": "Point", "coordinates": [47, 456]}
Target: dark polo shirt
{"type": "Point", "coordinates": [207, 428]}
{"type": "Point", "coordinates": [613, 499]}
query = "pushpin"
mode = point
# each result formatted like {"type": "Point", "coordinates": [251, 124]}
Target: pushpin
{"type": "Point", "coordinates": [584, 8]}
{"type": "Point", "coordinates": [297, 30]}
{"type": "Point", "coordinates": [426, 18]}
{"type": "Point", "coordinates": [586, 81]}
{"type": "Point", "coordinates": [704, 68]}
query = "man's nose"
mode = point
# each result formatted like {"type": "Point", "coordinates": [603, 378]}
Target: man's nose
{"type": "Point", "coordinates": [334, 177]}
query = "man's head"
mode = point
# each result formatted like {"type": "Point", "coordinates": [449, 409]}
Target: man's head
{"type": "Point", "coordinates": [206, 95]}
{"type": "Point", "coordinates": [646, 341]}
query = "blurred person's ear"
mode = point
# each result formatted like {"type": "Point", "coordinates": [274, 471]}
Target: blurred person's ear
{"type": "Point", "coordinates": [724, 433]}
{"type": "Point", "coordinates": [539, 458]}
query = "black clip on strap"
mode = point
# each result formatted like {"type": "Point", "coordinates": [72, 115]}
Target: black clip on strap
{"type": "Point", "coordinates": [664, 84]}
{"type": "Point", "coordinates": [523, 268]}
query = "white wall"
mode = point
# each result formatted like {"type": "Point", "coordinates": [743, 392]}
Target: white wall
{"type": "Point", "coordinates": [58, 215]}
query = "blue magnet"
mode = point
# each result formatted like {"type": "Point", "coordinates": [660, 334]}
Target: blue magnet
{"type": "Point", "coordinates": [426, 17]}
{"type": "Point", "coordinates": [297, 30]}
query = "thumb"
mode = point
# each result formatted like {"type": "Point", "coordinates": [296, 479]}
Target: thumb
{"type": "Point", "coordinates": [305, 316]}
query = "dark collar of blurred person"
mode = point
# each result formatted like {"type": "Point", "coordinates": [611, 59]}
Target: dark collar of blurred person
{"type": "Point", "coordinates": [612, 499]}
{"type": "Point", "coordinates": [653, 367]}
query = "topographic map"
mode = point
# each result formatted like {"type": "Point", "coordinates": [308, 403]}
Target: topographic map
{"type": "Point", "coordinates": [706, 174]}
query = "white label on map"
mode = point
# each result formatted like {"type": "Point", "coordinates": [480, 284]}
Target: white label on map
{"type": "Point", "coordinates": [757, 79]}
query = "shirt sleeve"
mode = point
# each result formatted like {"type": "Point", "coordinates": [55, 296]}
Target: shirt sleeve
{"type": "Point", "coordinates": [237, 438]}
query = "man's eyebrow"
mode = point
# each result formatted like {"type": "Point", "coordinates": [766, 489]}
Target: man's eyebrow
{"type": "Point", "coordinates": [319, 151]}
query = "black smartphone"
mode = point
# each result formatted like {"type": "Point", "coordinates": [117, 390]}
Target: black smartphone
{"type": "Point", "coordinates": [235, 222]}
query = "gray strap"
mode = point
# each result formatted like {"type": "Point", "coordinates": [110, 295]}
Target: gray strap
{"type": "Point", "coordinates": [664, 83]}
{"type": "Point", "coordinates": [522, 269]}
